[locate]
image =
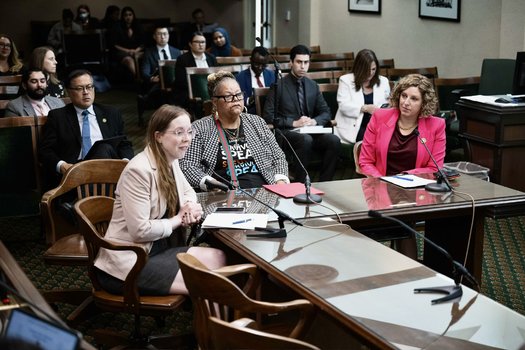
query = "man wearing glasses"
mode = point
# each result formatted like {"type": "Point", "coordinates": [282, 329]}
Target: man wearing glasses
{"type": "Point", "coordinates": [71, 131]}
{"type": "Point", "coordinates": [257, 76]}
{"type": "Point", "coordinates": [195, 57]}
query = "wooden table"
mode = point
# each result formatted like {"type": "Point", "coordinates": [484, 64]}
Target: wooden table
{"type": "Point", "coordinates": [447, 216]}
{"type": "Point", "coordinates": [496, 136]}
{"type": "Point", "coordinates": [366, 291]}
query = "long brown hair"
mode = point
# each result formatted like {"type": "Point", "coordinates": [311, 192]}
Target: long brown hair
{"type": "Point", "coordinates": [14, 62]}
{"type": "Point", "coordinates": [363, 62]}
{"type": "Point", "coordinates": [159, 122]}
{"type": "Point", "coordinates": [37, 61]}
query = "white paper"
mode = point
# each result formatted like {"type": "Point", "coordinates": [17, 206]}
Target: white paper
{"type": "Point", "coordinates": [408, 180]}
{"type": "Point", "coordinates": [235, 220]}
{"type": "Point", "coordinates": [314, 129]}
{"type": "Point", "coordinates": [492, 100]}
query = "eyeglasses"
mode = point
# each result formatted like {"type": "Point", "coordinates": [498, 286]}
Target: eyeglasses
{"type": "Point", "coordinates": [232, 98]}
{"type": "Point", "coordinates": [5, 46]}
{"type": "Point", "coordinates": [199, 42]}
{"type": "Point", "coordinates": [87, 88]}
{"type": "Point", "coordinates": [180, 133]}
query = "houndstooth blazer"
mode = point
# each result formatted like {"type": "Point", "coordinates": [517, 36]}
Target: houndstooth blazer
{"type": "Point", "coordinates": [267, 154]}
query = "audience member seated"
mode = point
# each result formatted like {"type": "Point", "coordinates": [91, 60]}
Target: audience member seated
{"type": "Point", "coordinates": [56, 34]}
{"type": "Point", "coordinates": [111, 17]}
{"type": "Point", "coordinates": [150, 63]}
{"type": "Point", "coordinates": [359, 94]}
{"type": "Point", "coordinates": [196, 57]}
{"type": "Point", "coordinates": [127, 40]}
{"type": "Point", "coordinates": [43, 58]}
{"type": "Point", "coordinates": [70, 131]}
{"type": "Point", "coordinates": [199, 25]}
{"type": "Point", "coordinates": [84, 18]}
{"type": "Point", "coordinates": [255, 76]}
{"type": "Point", "coordinates": [221, 45]}
{"type": "Point", "coordinates": [154, 203]}
{"type": "Point", "coordinates": [238, 146]}
{"type": "Point", "coordinates": [390, 145]}
{"type": "Point", "coordinates": [34, 102]}
{"type": "Point", "coordinates": [10, 63]}
{"type": "Point", "coordinates": [300, 103]}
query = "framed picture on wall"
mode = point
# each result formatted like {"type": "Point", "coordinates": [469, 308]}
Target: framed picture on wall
{"type": "Point", "coordinates": [369, 6]}
{"type": "Point", "coordinates": [446, 10]}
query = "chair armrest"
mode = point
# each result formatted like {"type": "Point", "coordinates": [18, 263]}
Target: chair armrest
{"type": "Point", "coordinates": [254, 279]}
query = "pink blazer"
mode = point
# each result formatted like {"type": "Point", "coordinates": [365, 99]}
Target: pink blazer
{"type": "Point", "coordinates": [373, 156]}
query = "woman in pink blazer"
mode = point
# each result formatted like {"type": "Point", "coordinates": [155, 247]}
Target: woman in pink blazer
{"type": "Point", "coordinates": [391, 145]}
{"type": "Point", "coordinates": [153, 200]}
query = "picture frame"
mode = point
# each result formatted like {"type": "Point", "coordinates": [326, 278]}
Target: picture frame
{"type": "Point", "coordinates": [445, 10]}
{"type": "Point", "coordinates": [365, 6]}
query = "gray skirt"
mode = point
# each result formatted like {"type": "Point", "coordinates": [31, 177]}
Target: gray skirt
{"type": "Point", "coordinates": [157, 276]}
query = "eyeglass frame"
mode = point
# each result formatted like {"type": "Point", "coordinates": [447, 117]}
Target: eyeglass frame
{"type": "Point", "coordinates": [180, 133]}
{"type": "Point", "coordinates": [85, 88]}
{"type": "Point", "coordinates": [5, 46]}
{"type": "Point", "coordinates": [232, 98]}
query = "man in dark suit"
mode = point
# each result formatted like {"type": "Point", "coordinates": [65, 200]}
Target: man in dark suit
{"type": "Point", "coordinates": [150, 63]}
{"type": "Point", "coordinates": [196, 57]}
{"type": "Point", "coordinates": [70, 131]}
{"type": "Point", "coordinates": [300, 103]}
{"type": "Point", "coordinates": [255, 76]}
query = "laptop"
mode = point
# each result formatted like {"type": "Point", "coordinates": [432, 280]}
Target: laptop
{"type": "Point", "coordinates": [34, 330]}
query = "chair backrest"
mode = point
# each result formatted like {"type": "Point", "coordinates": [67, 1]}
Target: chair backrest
{"type": "Point", "coordinates": [20, 183]}
{"type": "Point", "coordinates": [386, 63]}
{"type": "Point", "coordinates": [329, 92]}
{"type": "Point", "coordinates": [230, 60]}
{"type": "Point", "coordinates": [198, 79]}
{"type": "Point", "coordinates": [343, 56]}
{"type": "Point", "coordinates": [321, 77]}
{"type": "Point", "coordinates": [497, 76]}
{"type": "Point", "coordinates": [96, 177]}
{"type": "Point", "coordinates": [327, 65]}
{"type": "Point", "coordinates": [167, 74]}
{"type": "Point", "coordinates": [394, 74]}
{"type": "Point", "coordinates": [449, 90]}
{"type": "Point", "coordinates": [230, 335]}
{"type": "Point", "coordinates": [259, 95]}
{"type": "Point", "coordinates": [9, 86]}
{"type": "Point", "coordinates": [357, 152]}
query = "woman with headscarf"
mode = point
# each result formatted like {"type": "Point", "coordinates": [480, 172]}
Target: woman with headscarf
{"type": "Point", "coordinates": [221, 46]}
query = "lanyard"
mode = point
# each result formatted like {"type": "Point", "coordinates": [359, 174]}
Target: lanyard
{"type": "Point", "coordinates": [226, 147]}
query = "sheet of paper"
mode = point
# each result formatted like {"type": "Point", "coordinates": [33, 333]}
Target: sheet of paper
{"type": "Point", "coordinates": [315, 129]}
{"type": "Point", "coordinates": [235, 220]}
{"type": "Point", "coordinates": [407, 181]}
{"type": "Point", "coordinates": [492, 100]}
{"type": "Point", "coordinates": [290, 190]}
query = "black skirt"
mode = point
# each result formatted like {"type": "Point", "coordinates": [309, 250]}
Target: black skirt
{"type": "Point", "coordinates": [157, 276]}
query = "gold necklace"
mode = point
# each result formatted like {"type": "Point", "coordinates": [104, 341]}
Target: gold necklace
{"type": "Point", "coordinates": [406, 129]}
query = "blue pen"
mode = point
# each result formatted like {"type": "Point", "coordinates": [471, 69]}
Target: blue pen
{"type": "Point", "coordinates": [403, 178]}
{"type": "Point", "coordinates": [241, 221]}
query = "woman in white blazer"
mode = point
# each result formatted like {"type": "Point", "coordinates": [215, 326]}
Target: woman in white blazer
{"type": "Point", "coordinates": [359, 94]}
{"type": "Point", "coordinates": [153, 200]}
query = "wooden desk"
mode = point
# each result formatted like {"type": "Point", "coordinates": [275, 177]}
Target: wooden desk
{"type": "Point", "coordinates": [497, 139]}
{"type": "Point", "coordinates": [366, 289]}
{"type": "Point", "coordinates": [447, 216]}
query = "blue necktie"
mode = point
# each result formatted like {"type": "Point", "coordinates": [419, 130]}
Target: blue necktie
{"type": "Point", "coordinates": [86, 134]}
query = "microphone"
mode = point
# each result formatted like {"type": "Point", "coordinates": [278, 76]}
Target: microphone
{"type": "Point", "coordinates": [307, 197]}
{"type": "Point", "coordinates": [442, 185]}
{"type": "Point", "coordinates": [216, 185]}
{"type": "Point", "coordinates": [458, 270]}
{"type": "Point", "coordinates": [281, 216]}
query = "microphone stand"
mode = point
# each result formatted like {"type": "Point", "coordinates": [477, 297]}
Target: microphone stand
{"type": "Point", "coordinates": [442, 184]}
{"type": "Point", "coordinates": [281, 216]}
{"type": "Point", "coordinates": [307, 197]}
{"type": "Point", "coordinates": [458, 270]}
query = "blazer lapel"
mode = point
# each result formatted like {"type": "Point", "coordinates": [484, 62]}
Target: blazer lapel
{"type": "Point", "coordinates": [27, 107]}
{"type": "Point", "coordinates": [102, 120]}
{"type": "Point", "coordinates": [290, 89]}
{"type": "Point", "coordinates": [421, 151]}
{"type": "Point", "coordinates": [72, 120]}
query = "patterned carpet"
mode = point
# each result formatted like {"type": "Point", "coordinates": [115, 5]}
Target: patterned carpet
{"type": "Point", "coordinates": [503, 264]}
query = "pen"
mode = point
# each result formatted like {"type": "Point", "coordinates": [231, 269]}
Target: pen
{"type": "Point", "coordinates": [403, 178]}
{"type": "Point", "coordinates": [241, 221]}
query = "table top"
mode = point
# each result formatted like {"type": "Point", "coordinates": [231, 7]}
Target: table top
{"type": "Point", "coordinates": [351, 199]}
{"type": "Point", "coordinates": [368, 287]}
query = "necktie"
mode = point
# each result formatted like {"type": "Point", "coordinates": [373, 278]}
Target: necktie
{"type": "Point", "coordinates": [164, 55]}
{"type": "Point", "coordinates": [300, 96]}
{"type": "Point", "coordinates": [39, 109]}
{"type": "Point", "coordinates": [259, 82]}
{"type": "Point", "coordinates": [86, 134]}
